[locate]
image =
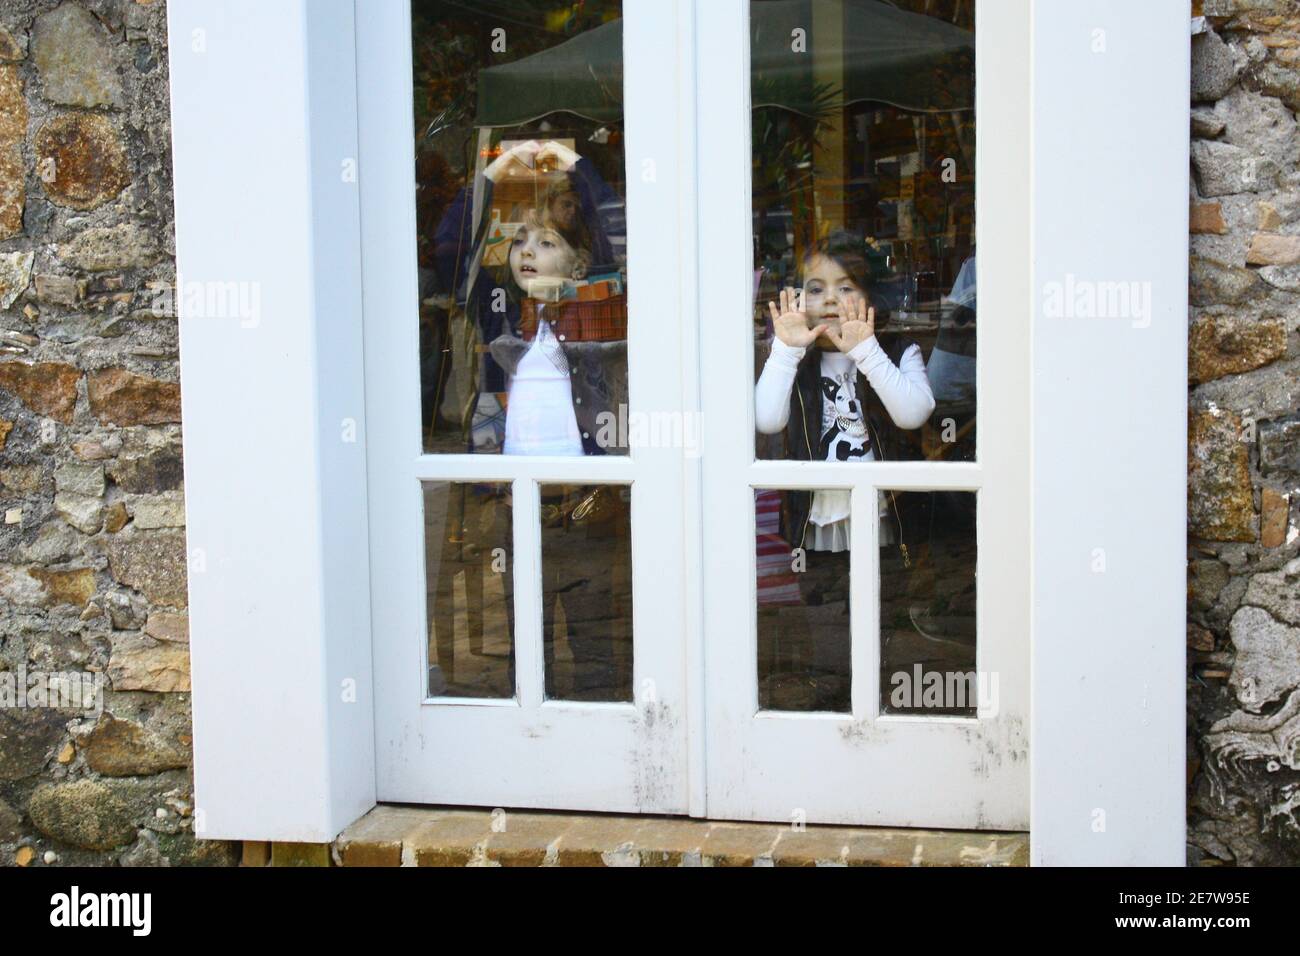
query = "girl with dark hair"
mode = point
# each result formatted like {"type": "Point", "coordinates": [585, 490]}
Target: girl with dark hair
{"type": "Point", "coordinates": [852, 395]}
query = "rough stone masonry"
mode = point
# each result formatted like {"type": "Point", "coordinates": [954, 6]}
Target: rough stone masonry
{"type": "Point", "coordinates": [92, 546]}
{"type": "Point", "coordinates": [1243, 632]}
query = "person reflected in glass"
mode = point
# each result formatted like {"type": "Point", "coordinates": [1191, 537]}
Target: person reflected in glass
{"type": "Point", "coordinates": [564, 391]}
{"type": "Point", "coordinates": [935, 612]}
{"type": "Point", "coordinates": [566, 388]}
{"type": "Point", "coordinates": [951, 368]}
{"type": "Point", "coordinates": [486, 294]}
{"type": "Point", "coordinates": [540, 417]}
{"type": "Point", "coordinates": [839, 393]}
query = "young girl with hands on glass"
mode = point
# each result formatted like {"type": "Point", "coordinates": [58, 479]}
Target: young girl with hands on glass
{"type": "Point", "coordinates": [839, 394]}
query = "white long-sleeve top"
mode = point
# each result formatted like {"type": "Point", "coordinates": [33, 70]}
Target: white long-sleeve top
{"type": "Point", "coordinates": [904, 390]}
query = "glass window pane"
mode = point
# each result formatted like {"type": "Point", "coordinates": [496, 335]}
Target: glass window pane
{"type": "Point", "coordinates": [468, 589]}
{"type": "Point", "coordinates": [804, 659]}
{"type": "Point", "coordinates": [863, 148]}
{"type": "Point", "coordinates": [521, 234]}
{"type": "Point", "coordinates": [587, 591]}
{"type": "Point", "coordinates": [927, 605]}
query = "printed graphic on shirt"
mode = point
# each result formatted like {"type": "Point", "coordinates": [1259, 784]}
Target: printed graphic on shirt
{"type": "Point", "coordinates": [844, 430]}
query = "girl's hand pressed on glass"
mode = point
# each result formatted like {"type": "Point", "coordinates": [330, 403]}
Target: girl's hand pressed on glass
{"type": "Point", "coordinates": [790, 322]}
{"type": "Point", "coordinates": [859, 324]}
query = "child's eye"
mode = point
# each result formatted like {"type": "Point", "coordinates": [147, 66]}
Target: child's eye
{"type": "Point", "coordinates": [547, 244]}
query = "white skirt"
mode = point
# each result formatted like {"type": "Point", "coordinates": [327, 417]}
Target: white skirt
{"type": "Point", "coordinates": [831, 525]}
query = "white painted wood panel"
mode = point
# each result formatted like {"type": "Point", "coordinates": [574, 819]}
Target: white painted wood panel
{"type": "Point", "coordinates": [1111, 88]}
{"type": "Point", "coordinates": [263, 112]}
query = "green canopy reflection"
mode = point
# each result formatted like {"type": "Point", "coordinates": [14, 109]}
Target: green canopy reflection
{"type": "Point", "coordinates": [583, 76]}
{"type": "Point", "coordinates": [890, 56]}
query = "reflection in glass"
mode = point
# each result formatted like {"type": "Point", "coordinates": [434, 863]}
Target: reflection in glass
{"type": "Point", "coordinates": [587, 591]}
{"type": "Point", "coordinates": [804, 660]}
{"type": "Point", "coordinates": [927, 606]}
{"type": "Point", "coordinates": [521, 234]}
{"type": "Point", "coordinates": [468, 581]}
{"type": "Point", "coordinates": [863, 138]}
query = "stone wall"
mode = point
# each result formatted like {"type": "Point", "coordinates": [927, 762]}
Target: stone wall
{"type": "Point", "coordinates": [1243, 630]}
{"type": "Point", "coordinates": [92, 548]}
{"type": "Point", "coordinates": [92, 552]}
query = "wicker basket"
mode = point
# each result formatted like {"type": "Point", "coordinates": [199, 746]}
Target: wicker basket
{"type": "Point", "coordinates": [600, 320]}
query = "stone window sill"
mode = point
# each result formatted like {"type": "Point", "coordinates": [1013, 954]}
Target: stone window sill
{"type": "Point", "coordinates": [394, 835]}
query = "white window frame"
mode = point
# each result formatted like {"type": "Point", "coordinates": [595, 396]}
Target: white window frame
{"type": "Point", "coordinates": [887, 769]}
{"type": "Point", "coordinates": [559, 754]}
{"type": "Point", "coordinates": [264, 125]}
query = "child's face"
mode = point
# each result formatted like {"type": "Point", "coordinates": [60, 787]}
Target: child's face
{"type": "Point", "coordinates": [827, 291]}
{"type": "Point", "coordinates": [537, 252]}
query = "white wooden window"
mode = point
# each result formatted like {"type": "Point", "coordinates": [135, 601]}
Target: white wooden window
{"type": "Point", "coordinates": [865, 766]}
{"type": "Point", "coordinates": [525, 749]}
{"type": "Point", "coordinates": [305, 544]}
